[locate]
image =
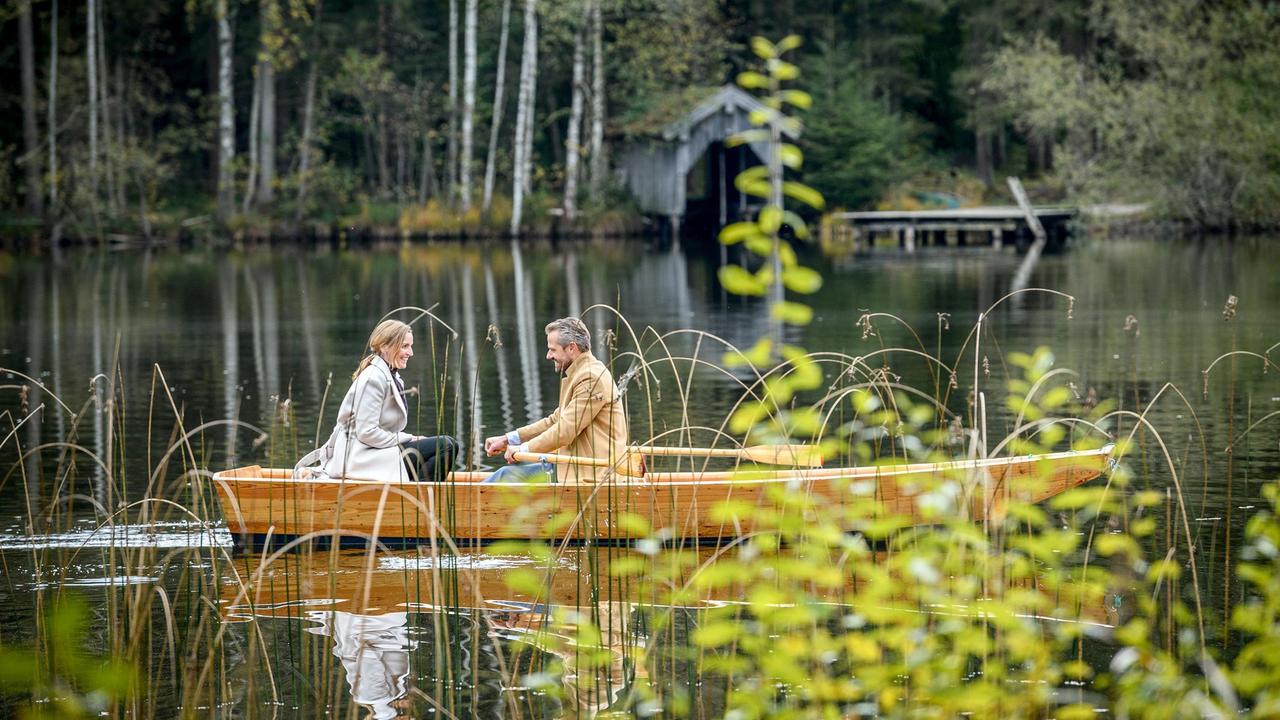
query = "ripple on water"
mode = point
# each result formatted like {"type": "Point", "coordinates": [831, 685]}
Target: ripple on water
{"type": "Point", "coordinates": [150, 535]}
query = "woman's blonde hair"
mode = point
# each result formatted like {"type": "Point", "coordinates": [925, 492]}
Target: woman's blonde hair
{"type": "Point", "coordinates": [388, 332]}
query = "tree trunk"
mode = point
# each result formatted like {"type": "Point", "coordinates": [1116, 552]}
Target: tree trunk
{"type": "Point", "coordinates": [267, 116]}
{"type": "Point", "coordinates": [267, 140]}
{"type": "Point", "coordinates": [402, 155]}
{"type": "Point", "coordinates": [468, 102]}
{"type": "Point", "coordinates": [553, 130]}
{"type": "Point", "coordinates": [524, 113]}
{"type": "Point", "coordinates": [108, 137]}
{"type": "Point", "coordinates": [308, 121]}
{"type": "Point", "coordinates": [599, 164]}
{"type": "Point", "coordinates": [427, 187]}
{"type": "Point", "coordinates": [122, 134]}
{"type": "Point", "coordinates": [91, 65]}
{"type": "Point", "coordinates": [490, 169]}
{"type": "Point", "coordinates": [982, 151]}
{"type": "Point", "coordinates": [30, 134]}
{"type": "Point", "coordinates": [451, 158]}
{"type": "Point", "coordinates": [226, 115]}
{"type": "Point", "coordinates": [572, 151]}
{"type": "Point", "coordinates": [255, 116]}
{"type": "Point", "coordinates": [52, 115]}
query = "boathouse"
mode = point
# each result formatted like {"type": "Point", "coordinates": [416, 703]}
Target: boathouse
{"type": "Point", "coordinates": [675, 162]}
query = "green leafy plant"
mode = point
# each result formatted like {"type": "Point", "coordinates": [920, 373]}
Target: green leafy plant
{"type": "Point", "coordinates": [57, 678]}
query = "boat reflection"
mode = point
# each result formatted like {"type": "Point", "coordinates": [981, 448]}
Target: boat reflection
{"type": "Point", "coordinates": [534, 635]}
{"type": "Point", "coordinates": [409, 627]}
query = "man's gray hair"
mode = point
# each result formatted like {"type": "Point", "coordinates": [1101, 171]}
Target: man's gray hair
{"type": "Point", "coordinates": [571, 330]}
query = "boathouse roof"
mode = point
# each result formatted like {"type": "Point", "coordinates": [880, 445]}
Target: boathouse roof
{"type": "Point", "coordinates": [666, 140]}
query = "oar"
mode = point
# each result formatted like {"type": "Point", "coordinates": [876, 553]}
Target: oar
{"type": "Point", "coordinates": [798, 455]}
{"type": "Point", "coordinates": [622, 467]}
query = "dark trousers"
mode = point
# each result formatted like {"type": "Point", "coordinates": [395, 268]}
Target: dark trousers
{"type": "Point", "coordinates": [431, 458]}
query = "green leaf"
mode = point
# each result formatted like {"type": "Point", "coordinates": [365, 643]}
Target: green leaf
{"type": "Point", "coordinates": [746, 417]}
{"type": "Point", "coordinates": [787, 255]}
{"type": "Point", "coordinates": [801, 279]}
{"type": "Point", "coordinates": [790, 42]}
{"type": "Point", "coordinates": [757, 356]}
{"type": "Point", "coordinates": [738, 281]}
{"type": "Point", "coordinates": [752, 80]}
{"type": "Point", "coordinates": [715, 634]}
{"type": "Point", "coordinates": [737, 232]}
{"type": "Point", "coordinates": [791, 313]}
{"type": "Point", "coordinates": [864, 401]}
{"type": "Point", "coordinates": [770, 219]}
{"type": "Point", "coordinates": [761, 116]}
{"type": "Point", "coordinates": [791, 156]}
{"type": "Point", "coordinates": [797, 223]}
{"type": "Point", "coordinates": [783, 70]}
{"type": "Point", "coordinates": [798, 98]}
{"type": "Point", "coordinates": [761, 245]}
{"type": "Point", "coordinates": [756, 135]}
{"type": "Point", "coordinates": [804, 194]}
{"type": "Point", "coordinates": [763, 48]}
{"type": "Point", "coordinates": [1055, 398]}
{"type": "Point", "coordinates": [806, 374]}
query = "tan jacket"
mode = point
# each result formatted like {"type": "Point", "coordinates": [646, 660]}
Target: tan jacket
{"type": "Point", "coordinates": [589, 422]}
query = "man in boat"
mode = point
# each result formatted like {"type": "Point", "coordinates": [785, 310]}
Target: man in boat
{"type": "Point", "coordinates": [589, 422]}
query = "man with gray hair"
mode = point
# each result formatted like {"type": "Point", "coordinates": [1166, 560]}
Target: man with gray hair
{"type": "Point", "coordinates": [589, 422]}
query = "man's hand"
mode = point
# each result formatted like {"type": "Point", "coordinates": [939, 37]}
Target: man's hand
{"type": "Point", "coordinates": [495, 444]}
{"type": "Point", "coordinates": [511, 452]}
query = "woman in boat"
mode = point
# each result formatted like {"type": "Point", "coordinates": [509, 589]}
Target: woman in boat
{"type": "Point", "coordinates": [369, 441]}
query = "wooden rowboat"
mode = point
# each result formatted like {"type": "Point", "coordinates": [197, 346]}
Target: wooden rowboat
{"type": "Point", "coordinates": [263, 504]}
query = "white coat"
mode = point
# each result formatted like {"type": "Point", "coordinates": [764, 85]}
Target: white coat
{"type": "Point", "coordinates": [365, 443]}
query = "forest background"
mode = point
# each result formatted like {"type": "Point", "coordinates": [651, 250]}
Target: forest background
{"type": "Point", "coordinates": [460, 116]}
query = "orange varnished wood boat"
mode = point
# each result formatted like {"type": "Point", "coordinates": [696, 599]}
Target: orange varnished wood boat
{"type": "Point", "coordinates": [262, 504]}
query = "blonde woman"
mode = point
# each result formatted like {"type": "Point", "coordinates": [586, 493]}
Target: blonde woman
{"type": "Point", "coordinates": [369, 441]}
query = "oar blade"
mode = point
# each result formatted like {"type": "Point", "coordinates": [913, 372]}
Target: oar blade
{"type": "Point", "coordinates": [795, 455]}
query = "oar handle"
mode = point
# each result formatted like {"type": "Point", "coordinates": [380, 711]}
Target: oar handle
{"type": "Point", "coordinates": [801, 455]}
{"type": "Point", "coordinates": [622, 467]}
{"type": "Point", "coordinates": [672, 451]}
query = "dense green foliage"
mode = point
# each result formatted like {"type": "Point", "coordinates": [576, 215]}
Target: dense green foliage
{"type": "Point", "coordinates": [1168, 101]}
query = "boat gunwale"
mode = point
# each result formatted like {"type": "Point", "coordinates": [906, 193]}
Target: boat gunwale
{"type": "Point", "coordinates": [865, 472]}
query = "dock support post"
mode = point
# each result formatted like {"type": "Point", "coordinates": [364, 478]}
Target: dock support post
{"type": "Point", "coordinates": [909, 235]}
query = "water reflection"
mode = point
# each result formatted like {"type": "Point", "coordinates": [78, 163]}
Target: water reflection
{"type": "Point", "coordinates": [232, 330]}
{"type": "Point", "coordinates": [374, 651]}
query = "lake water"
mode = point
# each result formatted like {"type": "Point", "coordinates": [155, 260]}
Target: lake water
{"type": "Point", "coordinates": [126, 342]}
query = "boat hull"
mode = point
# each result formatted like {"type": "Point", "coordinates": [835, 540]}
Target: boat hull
{"type": "Point", "coordinates": [262, 505]}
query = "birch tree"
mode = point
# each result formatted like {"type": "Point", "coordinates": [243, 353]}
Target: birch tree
{"type": "Point", "coordinates": [490, 164]}
{"type": "Point", "coordinates": [524, 113]}
{"type": "Point", "coordinates": [30, 134]}
{"type": "Point", "coordinates": [226, 114]}
{"type": "Point", "coordinates": [104, 84]}
{"type": "Point", "coordinates": [451, 157]}
{"type": "Point", "coordinates": [267, 112]}
{"type": "Point", "coordinates": [573, 141]}
{"type": "Point", "coordinates": [598, 163]}
{"type": "Point", "coordinates": [468, 102]}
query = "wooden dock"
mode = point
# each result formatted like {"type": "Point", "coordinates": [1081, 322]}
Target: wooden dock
{"type": "Point", "coordinates": [991, 227]}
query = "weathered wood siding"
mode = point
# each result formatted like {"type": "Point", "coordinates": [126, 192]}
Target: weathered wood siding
{"type": "Point", "coordinates": [655, 169]}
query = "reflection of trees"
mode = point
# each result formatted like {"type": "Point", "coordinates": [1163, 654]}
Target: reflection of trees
{"type": "Point", "coordinates": [675, 666]}
{"type": "Point", "coordinates": [592, 677]}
